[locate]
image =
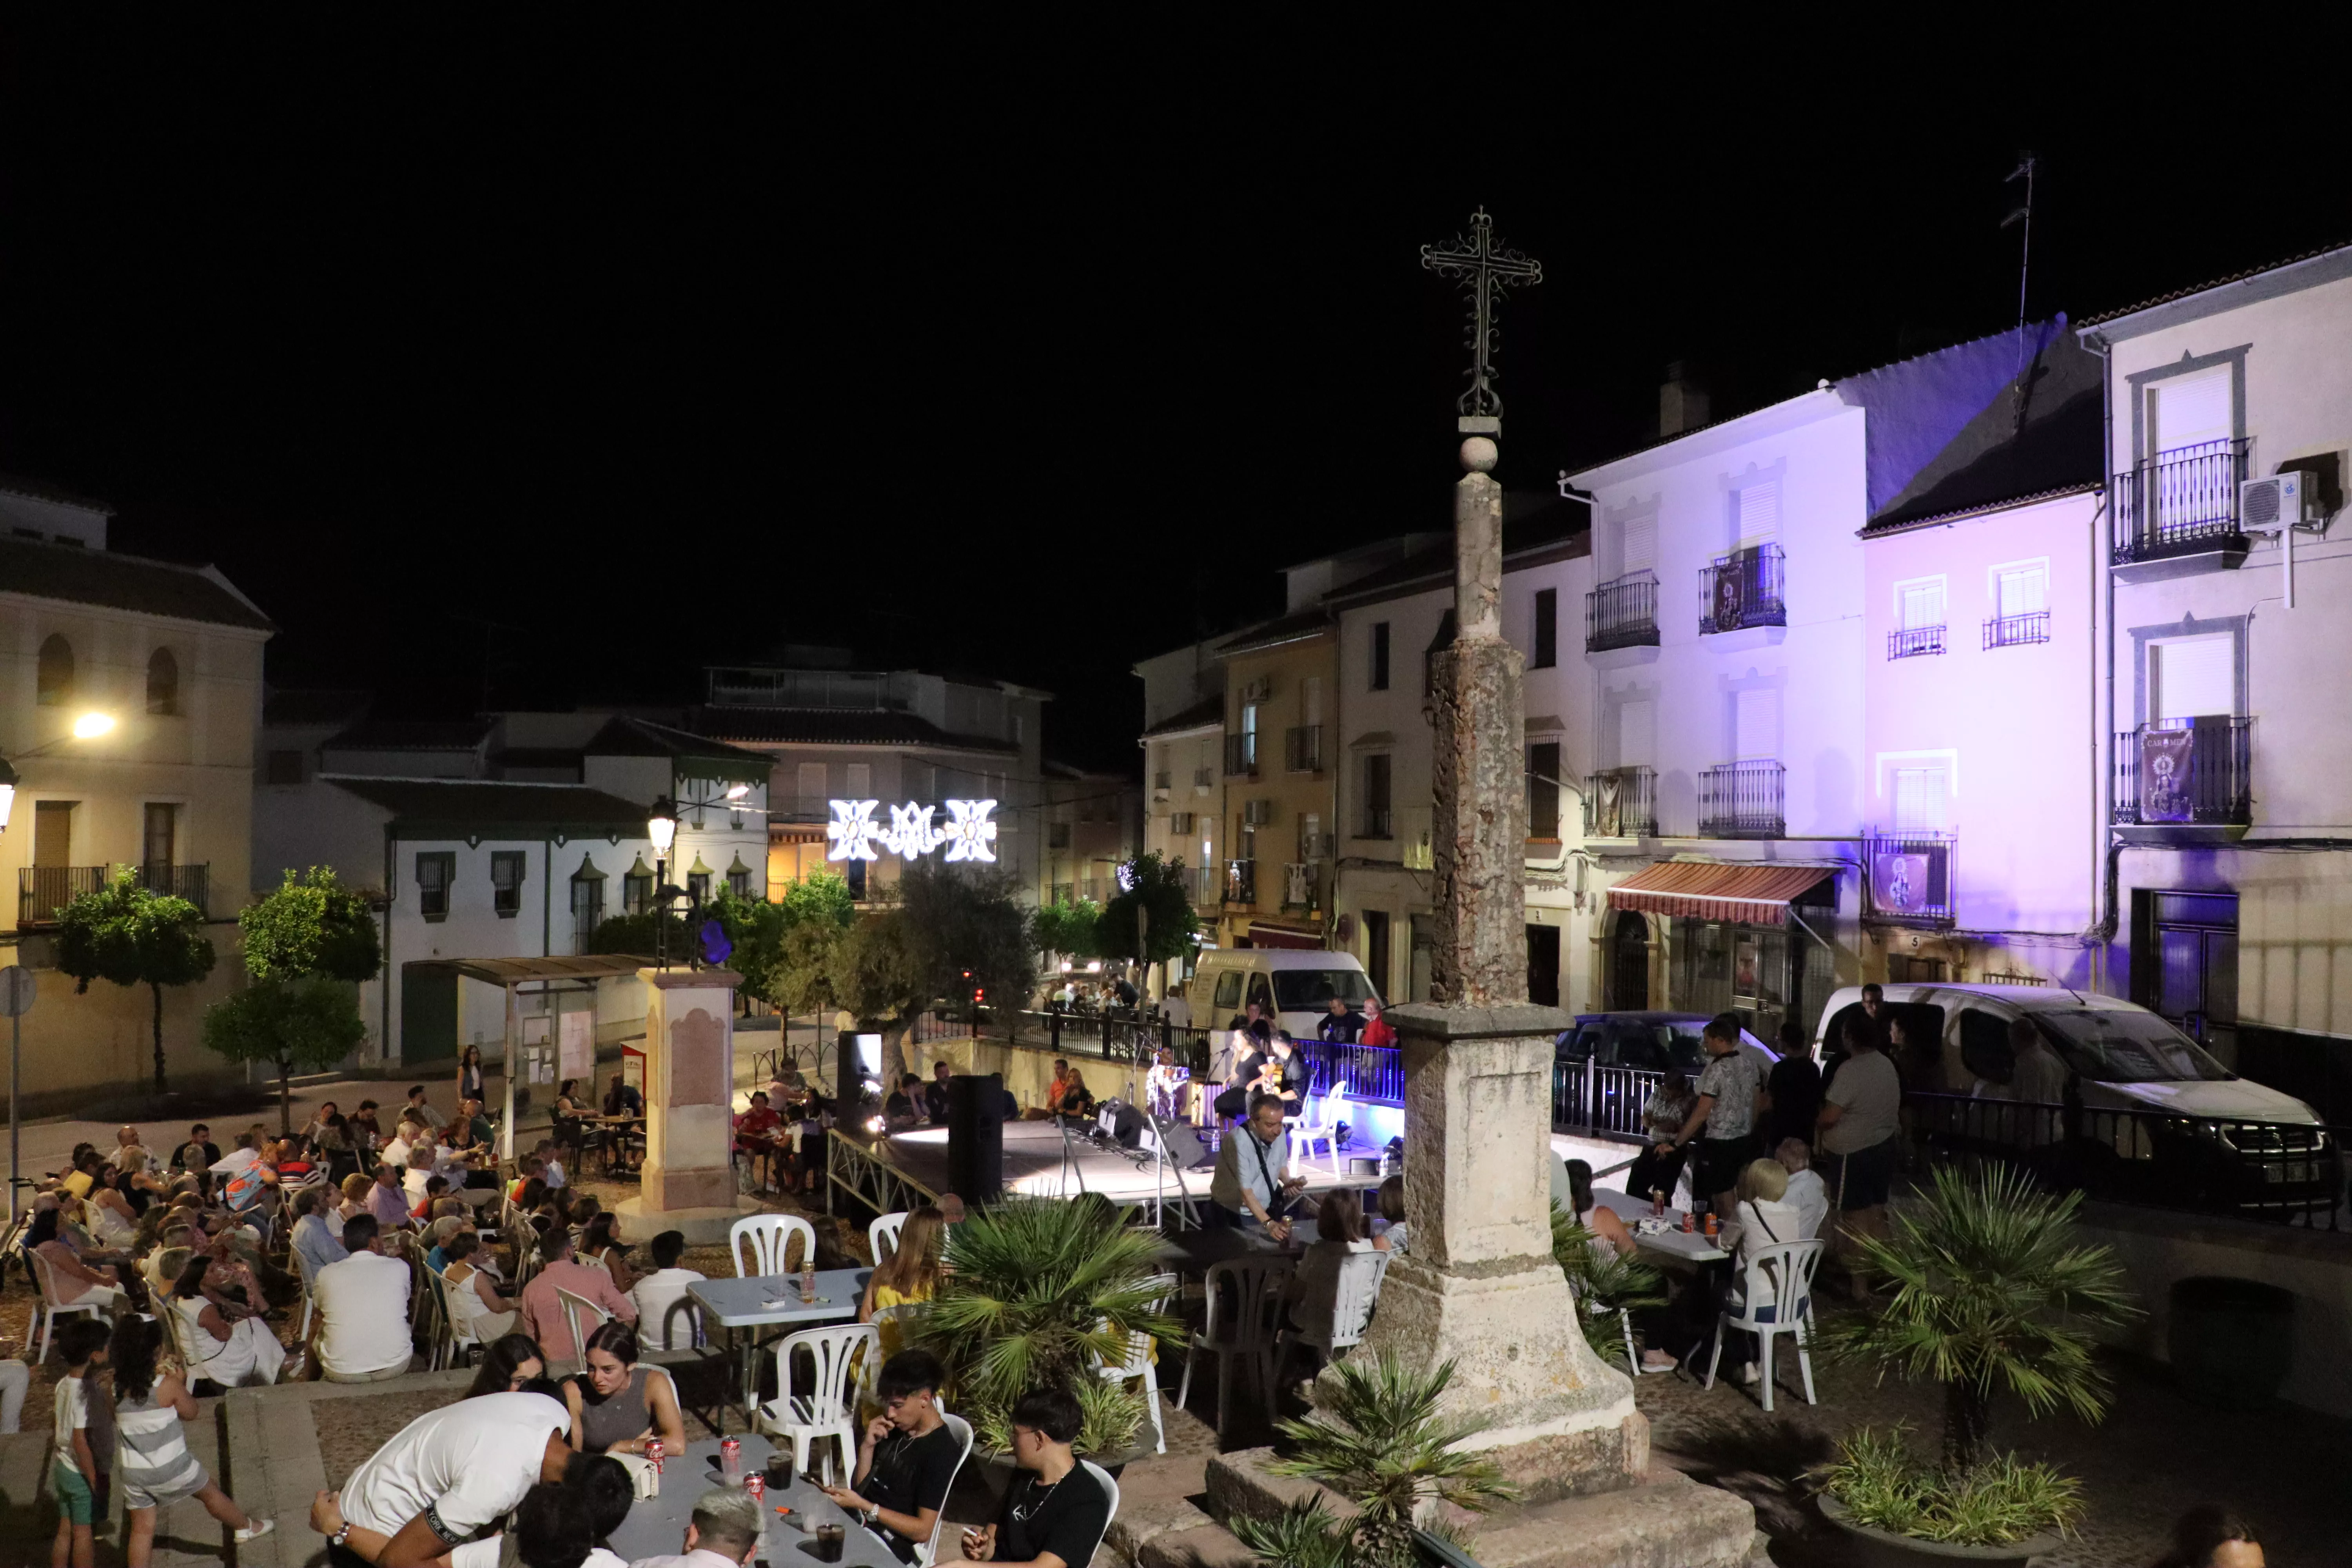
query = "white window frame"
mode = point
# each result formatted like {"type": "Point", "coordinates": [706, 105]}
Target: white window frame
{"type": "Point", "coordinates": [1994, 574]}
{"type": "Point", "coordinates": [1884, 763]}
{"type": "Point", "coordinates": [1943, 593]}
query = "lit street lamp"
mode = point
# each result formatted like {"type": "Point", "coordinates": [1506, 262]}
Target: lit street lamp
{"type": "Point", "coordinates": [661, 826]}
{"type": "Point", "coordinates": [89, 727]}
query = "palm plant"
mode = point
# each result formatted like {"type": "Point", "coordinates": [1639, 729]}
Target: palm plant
{"type": "Point", "coordinates": [1038, 1290]}
{"type": "Point", "coordinates": [1601, 1278]}
{"type": "Point", "coordinates": [1379, 1444]}
{"type": "Point", "coordinates": [1992, 1292]}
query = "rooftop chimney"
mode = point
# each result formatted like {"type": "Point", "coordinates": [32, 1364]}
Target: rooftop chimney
{"type": "Point", "coordinates": [1682, 403]}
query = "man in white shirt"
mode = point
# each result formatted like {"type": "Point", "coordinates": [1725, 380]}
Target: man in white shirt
{"type": "Point", "coordinates": [723, 1533]}
{"type": "Point", "coordinates": [453, 1470]}
{"type": "Point", "coordinates": [667, 1318]}
{"type": "Point", "coordinates": [1807, 1193]}
{"type": "Point", "coordinates": [361, 1334]}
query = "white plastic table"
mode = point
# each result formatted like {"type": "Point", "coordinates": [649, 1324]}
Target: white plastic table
{"type": "Point", "coordinates": [1693, 1247]}
{"type": "Point", "coordinates": [657, 1525]}
{"type": "Point", "coordinates": [772, 1300]}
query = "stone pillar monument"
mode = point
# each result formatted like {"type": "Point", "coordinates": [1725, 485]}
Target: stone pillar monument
{"type": "Point", "coordinates": [689, 1174]}
{"type": "Point", "coordinates": [1479, 1287]}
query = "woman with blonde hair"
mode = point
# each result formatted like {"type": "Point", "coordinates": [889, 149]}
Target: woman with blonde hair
{"type": "Point", "coordinates": [909, 1276]}
{"type": "Point", "coordinates": [1763, 1218]}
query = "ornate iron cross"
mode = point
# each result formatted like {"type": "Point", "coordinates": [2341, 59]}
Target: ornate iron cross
{"type": "Point", "coordinates": [1486, 271]}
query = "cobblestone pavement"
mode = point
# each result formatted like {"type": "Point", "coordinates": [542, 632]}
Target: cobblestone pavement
{"type": "Point", "coordinates": [2154, 1455]}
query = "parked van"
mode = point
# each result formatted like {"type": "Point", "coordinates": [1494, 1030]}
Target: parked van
{"type": "Point", "coordinates": [2123, 1058]}
{"type": "Point", "coordinates": [1292, 986]}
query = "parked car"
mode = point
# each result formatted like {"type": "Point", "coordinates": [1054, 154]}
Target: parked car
{"type": "Point", "coordinates": [1292, 986]}
{"type": "Point", "coordinates": [2189, 1128]}
{"type": "Point", "coordinates": [1613, 1060]}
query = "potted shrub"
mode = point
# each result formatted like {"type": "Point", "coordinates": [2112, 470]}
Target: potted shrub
{"type": "Point", "coordinates": [1380, 1444]}
{"type": "Point", "coordinates": [1604, 1285]}
{"type": "Point", "coordinates": [1992, 1295]}
{"type": "Point", "coordinates": [1037, 1289]}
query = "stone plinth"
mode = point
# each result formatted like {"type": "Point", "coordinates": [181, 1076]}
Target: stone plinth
{"type": "Point", "coordinates": [1479, 1287]}
{"type": "Point", "coordinates": [688, 1181]}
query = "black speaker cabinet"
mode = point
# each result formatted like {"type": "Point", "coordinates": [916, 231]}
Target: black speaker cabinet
{"type": "Point", "coordinates": [976, 1137]}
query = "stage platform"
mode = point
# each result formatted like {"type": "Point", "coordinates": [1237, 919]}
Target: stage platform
{"type": "Point", "coordinates": [897, 1172]}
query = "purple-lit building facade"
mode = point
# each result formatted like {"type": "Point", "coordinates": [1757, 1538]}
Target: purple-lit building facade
{"type": "Point", "coordinates": [2228, 777]}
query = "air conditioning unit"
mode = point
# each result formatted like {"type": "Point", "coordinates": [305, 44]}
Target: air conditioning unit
{"type": "Point", "coordinates": [1313, 846]}
{"type": "Point", "coordinates": [1179, 823]}
{"type": "Point", "coordinates": [1258, 812]}
{"type": "Point", "coordinates": [2281, 500]}
{"type": "Point", "coordinates": [1258, 690]}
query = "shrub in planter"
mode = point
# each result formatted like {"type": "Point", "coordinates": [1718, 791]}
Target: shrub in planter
{"type": "Point", "coordinates": [1601, 1278]}
{"type": "Point", "coordinates": [1038, 1289]}
{"type": "Point", "coordinates": [1992, 1295]}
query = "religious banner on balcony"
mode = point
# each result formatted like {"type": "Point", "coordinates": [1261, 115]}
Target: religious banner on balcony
{"type": "Point", "coordinates": [1898, 883]}
{"type": "Point", "coordinates": [2168, 775]}
{"type": "Point", "coordinates": [1608, 805]}
{"type": "Point", "coordinates": [1727, 596]}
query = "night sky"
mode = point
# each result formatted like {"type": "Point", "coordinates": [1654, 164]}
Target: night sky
{"type": "Point", "coordinates": [557, 363]}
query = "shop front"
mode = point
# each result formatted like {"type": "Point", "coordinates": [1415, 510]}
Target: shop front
{"type": "Point", "coordinates": [1715, 936]}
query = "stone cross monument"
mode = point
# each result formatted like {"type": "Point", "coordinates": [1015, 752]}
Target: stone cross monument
{"type": "Point", "coordinates": [1479, 1287]}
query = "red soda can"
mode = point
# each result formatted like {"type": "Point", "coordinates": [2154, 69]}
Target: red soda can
{"type": "Point", "coordinates": [653, 1451]}
{"type": "Point", "coordinates": [1657, 1204]}
{"type": "Point", "coordinates": [730, 1457]}
{"type": "Point", "coordinates": [1687, 1225]}
{"type": "Point", "coordinates": [755, 1487]}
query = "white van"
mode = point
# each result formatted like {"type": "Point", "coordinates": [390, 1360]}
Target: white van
{"type": "Point", "coordinates": [1292, 986]}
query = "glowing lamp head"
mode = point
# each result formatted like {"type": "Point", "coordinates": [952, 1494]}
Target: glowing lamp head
{"type": "Point", "coordinates": [738, 792]}
{"type": "Point", "coordinates": [662, 825]}
{"type": "Point", "coordinates": [90, 726]}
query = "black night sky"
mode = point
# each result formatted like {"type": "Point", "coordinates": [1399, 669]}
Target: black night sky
{"type": "Point", "coordinates": [570, 357]}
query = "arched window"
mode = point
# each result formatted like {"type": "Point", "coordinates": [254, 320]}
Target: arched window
{"type": "Point", "coordinates": [57, 675]}
{"type": "Point", "coordinates": [163, 682]}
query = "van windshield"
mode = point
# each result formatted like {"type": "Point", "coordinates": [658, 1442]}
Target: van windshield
{"type": "Point", "coordinates": [1311, 990]}
{"type": "Point", "coordinates": [2117, 1047]}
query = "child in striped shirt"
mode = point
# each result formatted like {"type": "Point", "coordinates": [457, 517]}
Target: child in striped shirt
{"type": "Point", "coordinates": [151, 1400]}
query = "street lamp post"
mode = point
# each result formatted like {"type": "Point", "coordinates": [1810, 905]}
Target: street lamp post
{"type": "Point", "coordinates": [89, 727]}
{"type": "Point", "coordinates": [661, 826]}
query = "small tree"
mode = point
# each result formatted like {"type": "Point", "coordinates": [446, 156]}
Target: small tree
{"type": "Point", "coordinates": [821, 895]}
{"type": "Point", "coordinates": [311, 926]}
{"type": "Point", "coordinates": [133, 935]}
{"type": "Point", "coordinates": [1068, 929]}
{"type": "Point", "coordinates": [1154, 887]}
{"type": "Point", "coordinates": [307, 1024]}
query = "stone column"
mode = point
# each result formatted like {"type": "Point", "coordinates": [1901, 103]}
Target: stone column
{"type": "Point", "coordinates": [689, 1173]}
{"type": "Point", "coordinates": [1479, 1287]}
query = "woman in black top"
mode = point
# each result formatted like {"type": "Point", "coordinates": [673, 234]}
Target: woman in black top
{"type": "Point", "coordinates": [1054, 1513]}
{"type": "Point", "coordinates": [469, 1074]}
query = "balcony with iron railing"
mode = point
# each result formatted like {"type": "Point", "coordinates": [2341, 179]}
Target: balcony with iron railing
{"type": "Point", "coordinates": [1241, 754]}
{"type": "Point", "coordinates": [1379, 822]}
{"type": "Point", "coordinates": [1161, 783]}
{"type": "Point", "coordinates": [1062, 893]}
{"type": "Point", "coordinates": [2191, 778]}
{"type": "Point", "coordinates": [43, 891]}
{"type": "Point", "coordinates": [2180, 505]}
{"type": "Point", "coordinates": [2014, 631]}
{"type": "Point", "coordinates": [1621, 802]}
{"type": "Point", "coordinates": [1909, 875]}
{"type": "Point", "coordinates": [1302, 749]}
{"type": "Point", "coordinates": [1241, 882]}
{"type": "Point", "coordinates": [1300, 889]}
{"type": "Point", "coordinates": [1207, 885]}
{"type": "Point", "coordinates": [1911, 642]}
{"type": "Point", "coordinates": [1742, 589]}
{"type": "Point", "coordinates": [1622, 612]}
{"type": "Point", "coordinates": [1743, 800]}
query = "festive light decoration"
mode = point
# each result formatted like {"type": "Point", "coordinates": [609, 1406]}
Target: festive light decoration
{"type": "Point", "coordinates": [970, 833]}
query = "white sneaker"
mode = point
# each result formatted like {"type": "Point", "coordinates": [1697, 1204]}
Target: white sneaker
{"type": "Point", "coordinates": [1750, 1374]}
{"type": "Point", "coordinates": [256, 1530]}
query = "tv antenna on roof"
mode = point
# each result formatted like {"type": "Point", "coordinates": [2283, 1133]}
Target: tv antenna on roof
{"type": "Point", "coordinates": [2024, 215]}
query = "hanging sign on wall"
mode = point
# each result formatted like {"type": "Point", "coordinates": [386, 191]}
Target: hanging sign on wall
{"type": "Point", "coordinates": [970, 832]}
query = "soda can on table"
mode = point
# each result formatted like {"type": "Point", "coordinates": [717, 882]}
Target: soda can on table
{"type": "Point", "coordinates": [755, 1487]}
{"type": "Point", "coordinates": [1687, 1225]}
{"type": "Point", "coordinates": [1710, 1224]}
{"type": "Point", "coordinates": [730, 1456]}
{"type": "Point", "coordinates": [655, 1449]}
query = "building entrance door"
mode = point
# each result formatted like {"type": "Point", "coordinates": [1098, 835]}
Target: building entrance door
{"type": "Point", "coordinates": [2184, 964]}
{"type": "Point", "coordinates": [1629, 977]}
{"type": "Point", "coordinates": [1543, 965]}
{"type": "Point", "coordinates": [1376, 952]}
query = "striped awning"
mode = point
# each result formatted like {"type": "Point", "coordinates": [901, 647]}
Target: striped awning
{"type": "Point", "coordinates": [1713, 890]}
{"type": "Point", "coordinates": [1264, 935]}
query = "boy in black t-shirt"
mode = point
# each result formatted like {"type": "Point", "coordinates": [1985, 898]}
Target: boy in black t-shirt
{"type": "Point", "coordinates": [906, 1459]}
{"type": "Point", "coordinates": [1055, 1514]}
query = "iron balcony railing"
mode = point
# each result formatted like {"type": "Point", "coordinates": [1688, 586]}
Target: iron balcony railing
{"type": "Point", "coordinates": [1372, 1073]}
{"type": "Point", "coordinates": [1163, 780]}
{"type": "Point", "coordinates": [1621, 802]}
{"type": "Point", "coordinates": [2286, 1171]}
{"type": "Point", "coordinates": [2186, 771]}
{"type": "Point", "coordinates": [1913, 641]}
{"type": "Point", "coordinates": [1622, 612]}
{"type": "Point", "coordinates": [1379, 822]}
{"type": "Point", "coordinates": [1302, 749]}
{"type": "Point", "coordinates": [2182, 502]}
{"type": "Point", "coordinates": [1299, 889]}
{"type": "Point", "coordinates": [1064, 893]}
{"type": "Point", "coordinates": [1204, 780]}
{"type": "Point", "coordinates": [1743, 800]}
{"type": "Point", "coordinates": [1599, 1101]}
{"type": "Point", "coordinates": [1910, 877]}
{"type": "Point", "coordinates": [1206, 885]}
{"type": "Point", "coordinates": [43, 891]}
{"type": "Point", "coordinates": [1241, 754]}
{"type": "Point", "coordinates": [1742, 589]}
{"type": "Point", "coordinates": [2009, 631]}
{"type": "Point", "coordinates": [1240, 881]}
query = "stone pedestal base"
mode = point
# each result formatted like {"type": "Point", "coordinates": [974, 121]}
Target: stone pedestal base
{"type": "Point", "coordinates": [706, 1227]}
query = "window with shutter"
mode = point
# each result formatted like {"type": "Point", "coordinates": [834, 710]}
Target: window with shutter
{"type": "Point", "coordinates": [1919, 795]}
{"type": "Point", "coordinates": [1641, 543]}
{"type": "Point", "coordinates": [861, 780]}
{"type": "Point", "coordinates": [2188, 678]}
{"type": "Point", "coordinates": [2185, 412]}
{"type": "Point", "coordinates": [809, 783]}
{"type": "Point", "coordinates": [1758, 514]}
{"type": "Point", "coordinates": [1756, 716]}
{"type": "Point", "coordinates": [2022, 590]}
{"type": "Point", "coordinates": [1921, 604]}
{"type": "Point", "coordinates": [1637, 733]}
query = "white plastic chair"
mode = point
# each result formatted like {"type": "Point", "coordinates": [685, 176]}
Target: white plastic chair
{"type": "Point", "coordinates": [582, 1316]}
{"type": "Point", "coordinates": [185, 1337]}
{"type": "Point", "coordinates": [1319, 1124]}
{"type": "Point", "coordinates": [1774, 1278]}
{"type": "Point", "coordinates": [805, 1419]}
{"type": "Point", "coordinates": [456, 1338]}
{"type": "Point", "coordinates": [770, 1236]}
{"type": "Point", "coordinates": [885, 1228]}
{"type": "Point", "coordinates": [1137, 1362]}
{"type": "Point", "coordinates": [928, 1552]}
{"type": "Point", "coordinates": [1247, 1330]}
{"type": "Point", "coordinates": [1110, 1490]}
{"type": "Point", "coordinates": [52, 1309]}
{"type": "Point", "coordinates": [1358, 1286]}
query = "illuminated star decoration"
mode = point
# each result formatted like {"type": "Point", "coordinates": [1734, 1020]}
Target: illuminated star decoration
{"type": "Point", "coordinates": [852, 831]}
{"type": "Point", "coordinates": [911, 833]}
{"type": "Point", "coordinates": [971, 835]}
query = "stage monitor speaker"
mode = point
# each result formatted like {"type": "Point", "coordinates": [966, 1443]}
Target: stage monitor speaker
{"type": "Point", "coordinates": [1182, 1143]}
{"type": "Point", "coordinates": [976, 1137]}
{"type": "Point", "coordinates": [1123, 1122]}
{"type": "Point", "coordinates": [845, 1075]}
